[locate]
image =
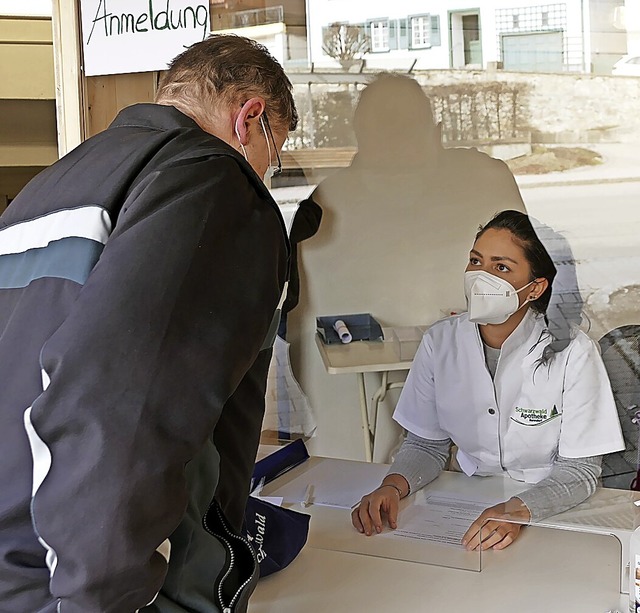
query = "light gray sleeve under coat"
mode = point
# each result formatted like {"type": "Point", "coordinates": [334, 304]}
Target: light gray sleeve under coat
{"type": "Point", "coordinates": [420, 460]}
{"type": "Point", "coordinates": [571, 481]}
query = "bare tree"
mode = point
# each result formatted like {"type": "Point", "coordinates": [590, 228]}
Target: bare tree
{"type": "Point", "coordinates": [345, 43]}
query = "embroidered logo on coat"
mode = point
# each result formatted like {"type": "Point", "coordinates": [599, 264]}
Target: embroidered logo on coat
{"type": "Point", "coordinates": [534, 417]}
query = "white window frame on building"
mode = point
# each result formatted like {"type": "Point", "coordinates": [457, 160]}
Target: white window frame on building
{"type": "Point", "coordinates": [423, 29]}
{"type": "Point", "coordinates": [379, 35]}
{"type": "Point", "coordinates": [432, 24]}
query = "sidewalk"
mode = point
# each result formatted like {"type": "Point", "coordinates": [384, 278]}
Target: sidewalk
{"type": "Point", "coordinates": [621, 163]}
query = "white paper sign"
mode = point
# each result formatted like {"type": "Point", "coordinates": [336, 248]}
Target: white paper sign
{"type": "Point", "coordinates": [121, 36]}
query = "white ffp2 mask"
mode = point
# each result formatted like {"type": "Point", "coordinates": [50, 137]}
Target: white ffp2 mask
{"type": "Point", "coordinates": [490, 299]}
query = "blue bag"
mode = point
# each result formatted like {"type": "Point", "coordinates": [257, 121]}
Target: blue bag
{"type": "Point", "coordinates": [277, 534]}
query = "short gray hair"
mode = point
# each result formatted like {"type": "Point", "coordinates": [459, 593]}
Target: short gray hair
{"type": "Point", "coordinates": [231, 69]}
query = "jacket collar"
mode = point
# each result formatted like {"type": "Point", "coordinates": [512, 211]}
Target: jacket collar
{"type": "Point", "coordinates": [167, 118]}
{"type": "Point", "coordinates": [155, 116]}
{"type": "Point", "coordinates": [531, 328]}
{"type": "Point", "coordinates": [532, 325]}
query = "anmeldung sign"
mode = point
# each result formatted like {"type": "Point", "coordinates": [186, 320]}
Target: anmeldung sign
{"type": "Point", "coordinates": [139, 35]}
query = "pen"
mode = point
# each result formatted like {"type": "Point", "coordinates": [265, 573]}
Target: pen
{"type": "Point", "coordinates": [256, 490]}
{"type": "Point", "coordinates": [308, 496]}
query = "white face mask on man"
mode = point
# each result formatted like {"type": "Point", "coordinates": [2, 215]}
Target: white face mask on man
{"type": "Point", "coordinates": [272, 169]}
{"type": "Point", "coordinates": [490, 299]}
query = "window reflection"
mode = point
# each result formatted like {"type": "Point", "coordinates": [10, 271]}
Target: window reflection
{"type": "Point", "coordinates": [551, 88]}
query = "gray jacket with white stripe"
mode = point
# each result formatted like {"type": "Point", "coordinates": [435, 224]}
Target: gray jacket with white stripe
{"type": "Point", "coordinates": [139, 277]}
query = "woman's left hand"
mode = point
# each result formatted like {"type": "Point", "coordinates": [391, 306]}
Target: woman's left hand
{"type": "Point", "coordinates": [497, 534]}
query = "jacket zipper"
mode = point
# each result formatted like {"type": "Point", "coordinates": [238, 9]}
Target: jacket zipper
{"type": "Point", "coordinates": [228, 608]}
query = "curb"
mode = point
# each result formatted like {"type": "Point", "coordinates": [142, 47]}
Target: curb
{"type": "Point", "coordinates": [567, 182]}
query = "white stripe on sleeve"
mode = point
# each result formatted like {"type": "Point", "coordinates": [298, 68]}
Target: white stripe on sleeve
{"type": "Point", "coordinates": [92, 222]}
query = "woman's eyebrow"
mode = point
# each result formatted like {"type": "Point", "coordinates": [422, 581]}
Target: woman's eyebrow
{"type": "Point", "coordinates": [500, 258]}
{"type": "Point", "coordinates": [495, 258]}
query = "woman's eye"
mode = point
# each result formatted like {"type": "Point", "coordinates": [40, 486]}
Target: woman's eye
{"type": "Point", "coordinates": [502, 268]}
{"type": "Point", "coordinates": [474, 261]}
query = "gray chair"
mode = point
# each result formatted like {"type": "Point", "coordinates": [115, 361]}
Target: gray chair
{"type": "Point", "coordinates": [621, 355]}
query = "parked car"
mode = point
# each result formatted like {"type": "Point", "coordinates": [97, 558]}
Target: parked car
{"type": "Point", "coordinates": [629, 66]}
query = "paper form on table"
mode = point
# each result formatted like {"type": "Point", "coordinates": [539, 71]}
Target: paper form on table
{"type": "Point", "coordinates": [335, 483]}
{"type": "Point", "coordinates": [440, 517]}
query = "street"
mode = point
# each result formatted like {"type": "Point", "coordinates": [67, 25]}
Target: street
{"type": "Point", "coordinates": [602, 226]}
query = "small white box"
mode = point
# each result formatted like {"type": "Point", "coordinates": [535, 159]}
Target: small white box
{"type": "Point", "coordinates": [407, 340]}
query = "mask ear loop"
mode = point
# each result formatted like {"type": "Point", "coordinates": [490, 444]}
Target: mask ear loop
{"type": "Point", "coordinates": [266, 137]}
{"type": "Point", "coordinates": [244, 151]}
{"type": "Point", "coordinates": [538, 296]}
{"type": "Point", "coordinates": [527, 300]}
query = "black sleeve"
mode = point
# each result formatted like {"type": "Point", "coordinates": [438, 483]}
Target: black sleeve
{"type": "Point", "coordinates": [171, 319]}
{"type": "Point", "coordinates": [306, 220]}
{"type": "Point", "coordinates": [239, 426]}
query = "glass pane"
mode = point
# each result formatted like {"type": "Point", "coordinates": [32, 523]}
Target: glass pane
{"type": "Point", "coordinates": [406, 153]}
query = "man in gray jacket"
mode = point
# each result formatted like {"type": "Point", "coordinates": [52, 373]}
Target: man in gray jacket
{"type": "Point", "coordinates": [140, 281]}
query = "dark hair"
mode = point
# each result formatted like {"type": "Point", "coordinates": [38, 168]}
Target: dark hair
{"type": "Point", "coordinates": [542, 265]}
{"type": "Point", "coordinates": [539, 260]}
{"type": "Point", "coordinates": [233, 69]}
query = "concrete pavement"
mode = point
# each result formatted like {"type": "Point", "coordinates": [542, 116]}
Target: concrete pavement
{"type": "Point", "coordinates": [620, 163]}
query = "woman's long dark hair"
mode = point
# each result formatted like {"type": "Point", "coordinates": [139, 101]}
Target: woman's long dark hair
{"type": "Point", "coordinates": [539, 260]}
{"type": "Point", "coordinates": [542, 266]}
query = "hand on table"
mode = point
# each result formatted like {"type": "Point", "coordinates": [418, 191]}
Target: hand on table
{"type": "Point", "coordinates": [497, 534]}
{"type": "Point", "coordinates": [382, 503]}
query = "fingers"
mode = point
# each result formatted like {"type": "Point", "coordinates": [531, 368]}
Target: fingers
{"type": "Point", "coordinates": [361, 519]}
{"type": "Point", "coordinates": [492, 534]}
{"type": "Point", "coordinates": [481, 527]}
{"type": "Point", "coordinates": [369, 513]}
{"type": "Point", "coordinates": [355, 519]}
{"type": "Point", "coordinates": [470, 538]}
{"type": "Point", "coordinates": [368, 516]}
{"type": "Point", "coordinates": [392, 514]}
{"type": "Point", "coordinates": [511, 536]}
{"type": "Point", "coordinates": [488, 531]}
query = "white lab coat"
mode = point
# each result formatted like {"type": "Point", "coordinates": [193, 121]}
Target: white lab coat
{"type": "Point", "coordinates": [523, 419]}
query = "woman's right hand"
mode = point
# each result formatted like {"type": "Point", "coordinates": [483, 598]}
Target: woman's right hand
{"type": "Point", "coordinates": [382, 503]}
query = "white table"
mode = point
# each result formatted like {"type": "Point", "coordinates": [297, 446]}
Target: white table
{"type": "Point", "coordinates": [363, 357]}
{"type": "Point", "coordinates": [576, 570]}
{"type": "Point", "coordinates": [544, 572]}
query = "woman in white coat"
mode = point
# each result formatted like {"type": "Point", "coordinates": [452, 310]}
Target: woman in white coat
{"type": "Point", "coordinates": [510, 396]}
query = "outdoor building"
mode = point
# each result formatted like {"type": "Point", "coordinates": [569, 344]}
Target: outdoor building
{"type": "Point", "coordinates": [629, 20]}
{"type": "Point", "coordinates": [571, 36]}
{"type": "Point", "coordinates": [280, 25]}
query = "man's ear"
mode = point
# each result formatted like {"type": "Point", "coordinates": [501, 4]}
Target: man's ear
{"type": "Point", "coordinates": [249, 114]}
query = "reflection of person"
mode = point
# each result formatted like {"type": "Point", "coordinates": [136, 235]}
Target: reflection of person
{"type": "Point", "coordinates": [486, 381]}
{"type": "Point", "coordinates": [565, 306]}
{"type": "Point", "coordinates": [395, 227]}
{"type": "Point", "coordinates": [306, 222]}
{"type": "Point", "coordinates": [404, 199]}
{"type": "Point", "coordinates": [140, 275]}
